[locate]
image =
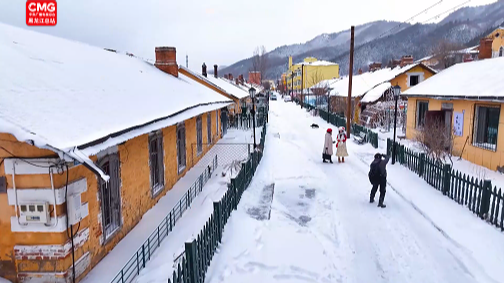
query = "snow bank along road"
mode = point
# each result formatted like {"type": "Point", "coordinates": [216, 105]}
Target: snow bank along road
{"type": "Point", "coordinates": [323, 229]}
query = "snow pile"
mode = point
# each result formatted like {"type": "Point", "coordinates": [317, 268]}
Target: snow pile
{"type": "Point", "coordinates": [316, 63]}
{"type": "Point", "coordinates": [482, 79]}
{"type": "Point", "coordinates": [375, 93]}
{"type": "Point", "coordinates": [68, 94]}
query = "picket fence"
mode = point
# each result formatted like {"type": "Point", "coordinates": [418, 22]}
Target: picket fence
{"type": "Point", "coordinates": [339, 121]}
{"type": "Point", "coordinates": [477, 195]}
{"type": "Point", "coordinates": [199, 252]}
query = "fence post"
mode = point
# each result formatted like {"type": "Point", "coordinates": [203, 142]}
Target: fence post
{"type": "Point", "coordinates": [485, 199]}
{"type": "Point", "coordinates": [389, 152]}
{"type": "Point", "coordinates": [190, 253]}
{"type": "Point", "coordinates": [233, 187]}
{"type": "Point", "coordinates": [401, 160]}
{"type": "Point", "coordinates": [447, 178]}
{"type": "Point", "coordinates": [421, 164]}
{"type": "Point", "coordinates": [217, 213]}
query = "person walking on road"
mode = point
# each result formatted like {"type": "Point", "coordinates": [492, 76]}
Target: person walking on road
{"type": "Point", "coordinates": [341, 150]}
{"type": "Point", "coordinates": [328, 150]}
{"type": "Point", "coordinates": [378, 177]}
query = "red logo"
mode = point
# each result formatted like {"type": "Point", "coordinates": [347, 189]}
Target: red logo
{"type": "Point", "coordinates": [41, 13]}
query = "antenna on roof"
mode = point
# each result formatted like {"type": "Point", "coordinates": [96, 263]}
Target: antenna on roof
{"type": "Point", "coordinates": [187, 61]}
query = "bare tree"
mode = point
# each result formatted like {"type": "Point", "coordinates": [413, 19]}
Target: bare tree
{"type": "Point", "coordinates": [260, 61]}
{"type": "Point", "coordinates": [435, 139]}
{"type": "Point", "coordinates": [445, 53]}
{"type": "Point", "coordinates": [319, 87]}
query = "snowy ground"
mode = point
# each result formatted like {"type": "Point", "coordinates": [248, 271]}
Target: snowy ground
{"type": "Point", "coordinates": [323, 229]}
{"type": "Point", "coordinates": [2, 280]}
{"type": "Point", "coordinates": [231, 147]}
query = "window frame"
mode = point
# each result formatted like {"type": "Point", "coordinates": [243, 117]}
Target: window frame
{"type": "Point", "coordinates": [417, 114]}
{"type": "Point", "coordinates": [217, 122]}
{"type": "Point", "coordinates": [475, 127]}
{"type": "Point", "coordinates": [417, 78]}
{"type": "Point", "coordinates": [209, 127]}
{"type": "Point", "coordinates": [181, 142]}
{"type": "Point", "coordinates": [199, 135]}
{"type": "Point", "coordinates": [115, 180]}
{"type": "Point", "coordinates": [501, 51]}
{"type": "Point", "coordinates": [157, 139]}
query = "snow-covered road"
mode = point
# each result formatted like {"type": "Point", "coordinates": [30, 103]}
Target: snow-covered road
{"type": "Point", "coordinates": [323, 229]}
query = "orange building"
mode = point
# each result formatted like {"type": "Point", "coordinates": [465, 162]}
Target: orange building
{"type": "Point", "coordinates": [89, 141]}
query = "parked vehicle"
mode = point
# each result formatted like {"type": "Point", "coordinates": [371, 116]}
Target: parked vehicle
{"type": "Point", "coordinates": [287, 98]}
{"type": "Point", "coordinates": [273, 97]}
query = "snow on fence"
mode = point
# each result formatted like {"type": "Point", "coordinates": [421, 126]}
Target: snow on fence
{"type": "Point", "coordinates": [138, 261]}
{"type": "Point", "coordinates": [338, 121]}
{"type": "Point", "coordinates": [199, 252]}
{"type": "Point", "coordinates": [477, 195]}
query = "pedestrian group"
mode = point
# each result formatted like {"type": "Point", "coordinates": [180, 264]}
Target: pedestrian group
{"type": "Point", "coordinates": [377, 172]}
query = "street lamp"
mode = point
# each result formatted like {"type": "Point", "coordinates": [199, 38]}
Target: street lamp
{"type": "Point", "coordinates": [396, 90]}
{"type": "Point", "coordinates": [252, 92]}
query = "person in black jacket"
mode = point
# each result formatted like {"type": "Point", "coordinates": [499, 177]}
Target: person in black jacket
{"type": "Point", "coordinates": [378, 177]}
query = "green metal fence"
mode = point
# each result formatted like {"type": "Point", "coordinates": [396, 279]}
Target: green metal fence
{"type": "Point", "coordinates": [199, 252]}
{"type": "Point", "coordinates": [138, 261]}
{"type": "Point", "coordinates": [355, 129]}
{"type": "Point", "coordinates": [477, 195]}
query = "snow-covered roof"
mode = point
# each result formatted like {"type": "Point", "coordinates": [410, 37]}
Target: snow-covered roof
{"type": "Point", "coordinates": [316, 63]}
{"type": "Point", "coordinates": [222, 84]}
{"type": "Point", "coordinates": [364, 82]}
{"type": "Point", "coordinates": [481, 79]}
{"type": "Point", "coordinates": [375, 93]}
{"type": "Point", "coordinates": [63, 94]}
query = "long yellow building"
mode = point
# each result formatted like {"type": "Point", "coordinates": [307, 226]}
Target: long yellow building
{"type": "Point", "coordinates": [311, 71]}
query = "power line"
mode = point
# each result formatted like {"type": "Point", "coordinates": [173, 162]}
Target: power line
{"type": "Point", "coordinates": [409, 19]}
{"type": "Point", "coordinates": [451, 9]}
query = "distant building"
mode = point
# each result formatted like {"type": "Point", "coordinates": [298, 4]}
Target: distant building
{"type": "Point", "coordinates": [254, 77]}
{"type": "Point", "coordinates": [304, 75]}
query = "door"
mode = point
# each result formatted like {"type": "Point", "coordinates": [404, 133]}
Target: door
{"type": "Point", "coordinates": [224, 121]}
{"type": "Point", "coordinates": [110, 195]}
{"type": "Point", "coordinates": [181, 147]}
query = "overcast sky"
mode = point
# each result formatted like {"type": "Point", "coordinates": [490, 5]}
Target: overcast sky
{"type": "Point", "coordinates": [215, 31]}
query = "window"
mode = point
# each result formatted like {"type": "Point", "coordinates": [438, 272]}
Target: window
{"type": "Point", "coordinates": [422, 108]}
{"type": "Point", "coordinates": [414, 80]}
{"type": "Point", "coordinates": [486, 124]}
{"type": "Point", "coordinates": [501, 51]}
{"type": "Point", "coordinates": [199, 135]}
{"type": "Point", "coordinates": [209, 127]}
{"type": "Point", "coordinates": [156, 162]}
{"type": "Point", "coordinates": [110, 195]}
{"type": "Point", "coordinates": [217, 122]}
{"type": "Point", "coordinates": [181, 147]}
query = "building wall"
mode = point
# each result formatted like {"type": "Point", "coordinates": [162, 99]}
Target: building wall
{"type": "Point", "coordinates": [43, 255]}
{"type": "Point", "coordinates": [488, 158]}
{"type": "Point", "coordinates": [402, 79]}
{"type": "Point", "coordinates": [498, 41]}
{"type": "Point", "coordinates": [311, 74]}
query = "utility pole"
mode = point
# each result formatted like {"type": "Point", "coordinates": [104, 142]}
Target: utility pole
{"type": "Point", "coordinates": [350, 73]}
{"type": "Point", "coordinates": [187, 61]}
{"type": "Point", "coordinates": [302, 84]}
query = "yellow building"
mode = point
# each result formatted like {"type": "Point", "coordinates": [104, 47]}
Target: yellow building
{"type": "Point", "coordinates": [468, 98]}
{"type": "Point", "coordinates": [498, 42]}
{"type": "Point", "coordinates": [308, 73]}
{"type": "Point", "coordinates": [90, 140]}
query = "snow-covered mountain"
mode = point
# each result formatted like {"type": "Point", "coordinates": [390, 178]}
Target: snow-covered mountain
{"type": "Point", "coordinates": [464, 26]}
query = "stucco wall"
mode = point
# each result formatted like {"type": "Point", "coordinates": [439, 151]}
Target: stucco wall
{"type": "Point", "coordinates": [488, 158]}
{"type": "Point", "coordinates": [136, 199]}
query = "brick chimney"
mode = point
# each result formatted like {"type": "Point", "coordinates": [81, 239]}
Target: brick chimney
{"type": "Point", "coordinates": [374, 66]}
{"type": "Point", "coordinates": [203, 70]}
{"type": "Point", "coordinates": [406, 60]}
{"type": "Point", "coordinates": [240, 77]}
{"type": "Point", "coordinates": [236, 81]}
{"type": "Point", "coordinates": [226, 76]}
{"type": "Point", "coordinates": [230, 76]}
{"type": "Point", "coordinates": [485, 48]}
{"type": "Point", "coordinates": [215, 71]}
{"type": "Point", "coordinates": [166, 60]}
{"type": "Point", "coordinates": [360, 71]}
